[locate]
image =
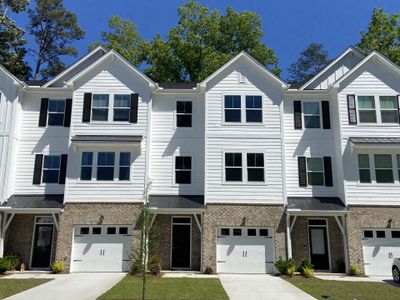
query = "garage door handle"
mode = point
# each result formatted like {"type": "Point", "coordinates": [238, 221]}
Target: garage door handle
{"type": "Point", "coordinates": [221, 261]}
{"type": "Point", "coordinates": [77, 259]}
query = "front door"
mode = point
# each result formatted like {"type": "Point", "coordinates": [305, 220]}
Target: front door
{"type": "Point", "coordinates": [319, 248]}
{"type": "Point", "coordinates": [181, 236]}
{"type": "Point", "coordinates": [42, 245]}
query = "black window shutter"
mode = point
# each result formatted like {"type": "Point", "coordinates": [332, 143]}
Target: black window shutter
{"type": "Point", "coordinates": [398, 106]}
{"type": "Point", "coordinates": [326, 118]}
{"type": "Point", "coordinates": [297, 115]}
{"type": "Point", "coordinates": [67, 114]}
{"type": "Point", "coordinates": [328, 171]}
{"type": "Point", "coordinates": [133, 117]}
{"type": "Point", "coordinates": [37, 169]}
{"type": "Point", "coordinates": [63, 169]}
{"type": "Point", "coordinates": [43, 112]}
{"type": "Point", "coordinates": [302, 171]}
{"type": "Point", "coordinates": [87, 106]}
{"type": "Point", "coordinates": [351, 106]}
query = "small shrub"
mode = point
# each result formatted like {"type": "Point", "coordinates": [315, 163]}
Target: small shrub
{"type": "Point", "coordinates": [5, 265]}
{"type": "Point", "coordinates": [354, 270]}
{"type": "Point", "coordinates": [307, 272]}
{"type": "Point", "coordinates": [306, 268]}
{"type": "Point", "coordinates": [154, 265]}
{"type": "Point", "coordinates": [136, 266]}
{"type": "Point", "coordinates": [286, 267]}
{"type": "Point", "coordinates": [57, 267]}
{"type": "Point", "coordinates": [15, 260]}
{"type": "Point", "coordinates": [208, 270]}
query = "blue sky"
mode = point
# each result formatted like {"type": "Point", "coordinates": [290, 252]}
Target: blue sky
{"type": "Point", "coordinates": [289, 26]}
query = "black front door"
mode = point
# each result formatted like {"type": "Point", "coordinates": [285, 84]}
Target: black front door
{"type": "Point", "coordinates": [42, 244]}
{"type": "Point", "coordinates": [181, 246]}
{"type": "Point", "coordinates": [319, 248]}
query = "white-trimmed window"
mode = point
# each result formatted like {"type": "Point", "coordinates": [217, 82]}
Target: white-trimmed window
{"type": "Point", "coordinates": [389, 109]}
{"type": "Point", "coordinates": [86, 165]}
{"type": "Point", "coordinates": [124, 165]}
{"type": "Point", "coordinates": [56, 111]}
{"type": "Point", "coordinates": [105, 165]}
{"type": "Point", "coordinates": [312, 114]}
{"type": "Point", "coordinates": [122, 107]}
{"type": "Point", "coordinates": [100, 107]}
{"type": "Point", "coordinates": [254, 109]}
{"type": "Point", "coordinates": [184, 113]}
{"type": "Point", "coordinates": [233, 167]}
{"type": "Point", "coordinates": [51, 168]}
{"type": "Point", "coordinates": [315, 171]}
{"type": "Point", "coordinates": [183, 169]}
{"type": "Point", "coordinates": [366, 109]}
{"type": "Point", "coordinates": [364, 169]}
{"type": "Point", "coordinates": [255, 167]}
{"type": "Point", "coordinates": [383, 168]}
{"type": "Point", "coordinates": [232, 109]}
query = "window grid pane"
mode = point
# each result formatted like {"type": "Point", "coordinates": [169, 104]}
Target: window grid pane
{"type": "Point", "coordinates": [124, 165]}
{"type": "Point", "coordinates": [105, 166]}
{"type": "Point", "coordinates": [183, 169]}
{"type": "Point", "coordinates": [312, 115]}
{"type": "Point", "coordinates": [51, 169]}
{"type": "Point", "coordinates": [255, 167]}
{"type": "Point", "coordinates": [253, 109]}
{"type": "Point", "coordinates": [122, 104]}
{"type": "Point", "coordinates": [233, 166]}
{"type": "Point", "coordinates": [366, 109]}
{"type": "Point", "coordinates": [86, 168]}
{"type": "Point", "coordinates": [315, 171]}
{"type": "Point", "coordinates": [184, 113]}
{"type": "Point", "coordinates": [383, 168]}
{"type": "Point", "coordinates": [56, 112]}
{"type": "Point", "coordinates": [100, 107]}
{"type": "Point", "coordinates": [232, 105]}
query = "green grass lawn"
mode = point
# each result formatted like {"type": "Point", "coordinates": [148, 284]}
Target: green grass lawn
{"type": "Point", "coordinates": [167, 289]}
{"type": "Point", "coordinates": [345, 290]}
{"type": "Point", "coordinates": [9, 287]}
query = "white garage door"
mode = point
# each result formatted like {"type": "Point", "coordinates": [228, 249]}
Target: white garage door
{"type": "Point", "coordinates": [101, 248]}
{"type": "Point", "coordinates": [380, 246]}
{"type": "Point", "coordinates": [245, 250]}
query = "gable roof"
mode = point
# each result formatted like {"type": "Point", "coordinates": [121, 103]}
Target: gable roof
{"type": "Point", "coordinates": [250, 59]}
{"type": "Point", "coordinates": [373, 55]}
{"type": "Point", "coordinates": [350, 50]}
{"type": "Point", "coordinates": [9, 74]}
{"type": "Point", "coordinates": [111, 54]}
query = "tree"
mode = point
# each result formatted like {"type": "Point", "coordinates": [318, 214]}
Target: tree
{"type": "Point", "coordinates": [123, 38]}
{"type": "Point", "coordinates": [12, 43]}
{"type": "Point", "coordinates": [311, 61]}
{"type": "Point", "coordinates": [383, 35]}
{"type": "Point", "coordinates": [54, 29]}
{"type": "Point", "coordinates": [203, 40]}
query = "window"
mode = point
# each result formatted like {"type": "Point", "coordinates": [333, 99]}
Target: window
{"type": "Point", "coordinates": [225, 231]}
{"type": "Point", "coordinates": [96, 230]}
{"type": "Point", "coordinates": [232, 107]}
{"type": "Point", "coordinates": [368, 234]}
{"type": "Point", "coordinates": [317, 222]}
{"type": "Point", "coordinates": [86, 168]}
{"type": "Point", "coordinates": [389, 109]}
{"type": "Point", "coordinates": [312, 115]}
{"type": "Point", "coordinates": [183, 169]}
{"type": "Point", "coordinates": [237, 231]}
{"type": "Point", "coordinates": [251, 232]}
{"type": "Point", "coordinates": [105, 165]}
{"type": "Point", "coordinates": [111, 230]}
{"type": "Point", "coordinates": [366, 109]}
{"type": "Point", "coordinates": [100, 107]}
{"type": "Point", "coordinates": [123, 230]}
{"type": "Point", "coordinates": [124, 165]}
{"type": "Point", "coordinates": [51, 168]}
{"type": "Point", "coordinates": [84, 230]}
{"type": "Point", "coordinates": [56, 112]}
{"type": "Point", "coordinates": [364, 168]}
{"type": "Point", "coordinates": [233, 166]}
{"type": "Point", "coordinates": [396, 234]}
{"type": "Point", "coordinates": [264, 232]}
{"type": "Point", "coordinates": [383, 168]}
{"type": "Point", "coordinates": [398, 164]}
{"type": "Point", "coordinates": [315, 171]}
{"type": "Point", "coordinates": [122, 106]}
{"type": "Point", "coordinates": [380, 234]}
{"type": "Point", "coordinates": [255, 167]}
{"type": "Point", "coordinates": [184, 114]}
{"type": "Point", "coordinates": [253, 109]}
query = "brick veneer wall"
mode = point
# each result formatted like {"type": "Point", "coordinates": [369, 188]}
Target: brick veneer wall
{"type": "Point", "coordinates": [367, 217]}
{"type": "Point", "coordinates": [232, 215]}
{"type": "Point", "coordinates": [300, 245]}
{"type": "Point", "coordinates": [89, 214]}
{"type": "Point", "coordinates": [162, 225]}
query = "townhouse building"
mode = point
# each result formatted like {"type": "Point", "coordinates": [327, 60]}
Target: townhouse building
{"type": "Point", "coordinates": [236, 171]}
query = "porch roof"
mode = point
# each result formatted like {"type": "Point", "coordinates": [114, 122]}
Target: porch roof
{"type": "Point", "coordinates": [129, 139]}
{"type": "Point", "coordinates": [315, 205]}
{"type": "Point", "coordinates": [176, 203]}
{"type": "Point", "coordinates": [32, 202]}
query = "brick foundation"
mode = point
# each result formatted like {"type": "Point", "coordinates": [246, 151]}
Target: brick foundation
{"type": "Point", "coordinates": [232, 215]}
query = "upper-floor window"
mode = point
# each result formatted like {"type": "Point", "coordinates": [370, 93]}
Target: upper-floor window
{"type": "Point", "coordinates": [364, 169]}
{"type": "Point", "coordinates": [377, 109]}
{"type": "Point", "coordinates": [183, 169]}
{"type": "Point", "coordinates": [312, 114]}
{"type": "Point", "coordinates": [122, 107]}
{"type": "Point", "coordinates": [315, 171]}
{"type": "Point", "coordinates": [252, 162]}
{"type": "Point", "coordinates": [100, 108]}
{"type": "Point", "coordinates": [56, 111]}
{"type": "Point", "coordinates": [254, 109]}
{"type": "Point", "coordinates": [124, 165]}
{"type": "Point", "coordinates": [382, 164]}
{"type": "Point", "coordinates": [105, 165]}
{"type": "Point", "coordinates": [232, 106]}
{"type": "Point", "coordinates": [51, 168]}
{"type": "Point", "coordinates": [184, 114]}
{"type": "Point", "coordinates": [87, 163]}
{"type": "Point", "coordinates": [383, 168]}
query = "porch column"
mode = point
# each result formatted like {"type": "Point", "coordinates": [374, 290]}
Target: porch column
{"type": "Point", "coordinates": [288, 237]}
{"type": "Point", "coordinates": [342, 226]}
{"type": "Point", "coordinates": [1, 236]}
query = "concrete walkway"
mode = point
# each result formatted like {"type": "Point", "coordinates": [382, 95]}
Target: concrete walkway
{"type": "Point", "coordinates": [76, 286]}
{"type": "Point", "coordinates": [260, 287]}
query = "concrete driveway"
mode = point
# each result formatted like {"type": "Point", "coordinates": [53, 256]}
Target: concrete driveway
{"type": "Point", "coordinates": [260, 287]}
{"type": "Point", "coordinates": [76, 286]}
